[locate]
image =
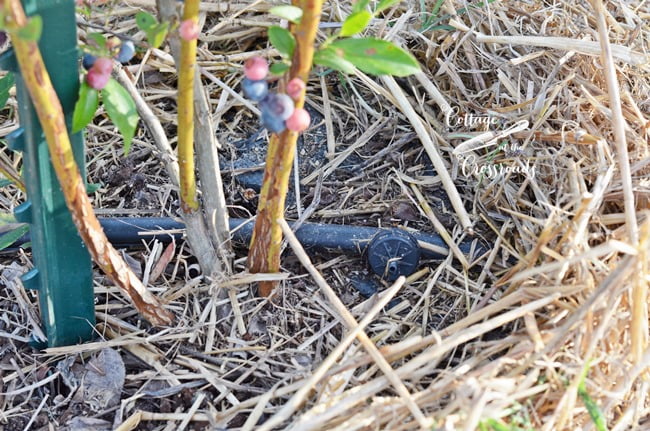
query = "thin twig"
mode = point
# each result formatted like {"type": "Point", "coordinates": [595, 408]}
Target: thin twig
{"type": "Point", "coordinates": [186, 76]}
{"type": "Point", "coordinates": [153, 124]}
{"type": "Point", "coordinates": [639, 324]}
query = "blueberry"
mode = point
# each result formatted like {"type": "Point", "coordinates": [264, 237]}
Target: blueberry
{"type": "Point", "coordinates": [126, 53]}
{"type": "Point", "coordinates": [295, 87]}
{"type": "Point", "coordinates": [103, 65]}
{"type": "Point", "coordinates": [97, 79]}
{"type": "Point", "coordinates": [254, 90]}
{"type": "Point", "coordinates": [272, 123]}
{"type": "Point", "coordinates": [256, 68]}
{"type": "Point", "coordinates": [88, 60]}
{"type": "Point", "coordinates": [278, 105]}
{"type": "Point", "coordinates": [299, 120]}
{"type": "Point", "coordinates": [189, 30]}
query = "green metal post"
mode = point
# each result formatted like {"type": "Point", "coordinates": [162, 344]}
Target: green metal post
{"type": "Point", "coordinates": [62, 272]}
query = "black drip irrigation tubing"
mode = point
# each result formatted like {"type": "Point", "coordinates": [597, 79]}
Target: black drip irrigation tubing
{"type": "Point", "coordinates": [315, 237]}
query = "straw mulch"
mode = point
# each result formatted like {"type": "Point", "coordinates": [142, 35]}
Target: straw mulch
{"type": "Point", "coordinates": [547, 331]}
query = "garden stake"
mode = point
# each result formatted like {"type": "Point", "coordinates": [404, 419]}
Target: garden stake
{"type": "Point", "coordinates": [264, 253]}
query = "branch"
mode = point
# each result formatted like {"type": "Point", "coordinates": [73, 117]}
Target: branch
{"type": "Point", "coordinates": [264, 254]}
{"type": "Point", "coordinates": [186, 113]}
{"type": "Point", "coordinates": [207, 233]}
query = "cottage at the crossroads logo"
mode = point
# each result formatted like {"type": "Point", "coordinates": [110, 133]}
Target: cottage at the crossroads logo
{"type": "Point", "coordinates": [466, 152]}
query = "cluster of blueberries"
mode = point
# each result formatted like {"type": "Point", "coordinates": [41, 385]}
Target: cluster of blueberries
{"type": "Point", "coordinates": [99, 69]}
{"type": "Point", "coordinates": [278, 110]}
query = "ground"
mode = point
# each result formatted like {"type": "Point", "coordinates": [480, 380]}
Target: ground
{"type": "Point", "coordinates": [530, 335]}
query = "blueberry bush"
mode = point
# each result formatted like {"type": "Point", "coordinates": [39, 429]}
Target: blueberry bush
{"type": "Point", "coordinates": [282, 107]}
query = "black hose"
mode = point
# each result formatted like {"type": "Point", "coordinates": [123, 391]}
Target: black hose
{"type": "Point", "coordinates": [129, 231]}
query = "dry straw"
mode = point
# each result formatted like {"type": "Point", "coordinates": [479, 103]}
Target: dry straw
{"type": "Point", "coordinates": [556, 310]}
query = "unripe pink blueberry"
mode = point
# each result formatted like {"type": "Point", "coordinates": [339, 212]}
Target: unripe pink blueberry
{"type": "Point", "coordinates": [256, 68]}
{"type": "Point", "coordinates": [113, 42]}
{"type": "Point", "coordinates": [189, 30]}
{"type": "Point", "coordinates": [103, 65]}
{"type": "Point", "coordinates": [96, 79]}
{"type": "Point", "coordinates": [295, 87]}
{"type": "Point", "coordinates": [299, 120]}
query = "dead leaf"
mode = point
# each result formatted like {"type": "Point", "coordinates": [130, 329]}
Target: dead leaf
{"type": "Point", "coordinates": [104, 379]}
{"type": "Point", "coordinates": [404, 211]}
{"type": "Point", "coordinates": [162, 263]}
{"type": "Point", "coordinates": [87, 424]}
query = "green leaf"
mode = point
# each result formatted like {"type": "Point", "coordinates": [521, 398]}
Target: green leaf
{"type": "Point", "coordinates": [156, 32]}
{"type": "Point", "coordinates": [436, 8]}
{"type": "Point", "coordinates": [5, 85]}
{"type": "Point", "coordinates": [497, 425]}
{"type": "Point", "coordinates": [85, 108]}
{"type": "Point", "coordinates": [282, 40]}
{"type": "Point", "coordinates": [92, 188]}
{"type": "Point", "coordinates": [278, 68]}
{"type": "Point", "coordinates": [376, 56]}
{"type": "Point", "coordinates": [385, 4]}
{"type": "Point", "coordinates": [594, 411]}
{"type": "Point", "coordinates": [430, 23]}
{"type": "Point", "coordinates": [84, 10]}
{"type": "Point", "coordinates": [120, 107]}
{"type": "Point", "coordinates": [33, 29]}
{"type": "Point", "coordinates": [145, 20]}
{"type": "Point", "coordinates": [7, 239]}
{"type": "Point", "coordinates": [6, 218]}
{"type": "Point", "coordinates": [355, 23]}
{"type": "Point", "coordinates": [360, 5]}
{"type": "Point", "coordinates": [156, 35]}
{"type": "Point", "coordinates": [329, 57]}
{"type": "Point", "coordinates": [288, 12]}
{"type": "Point", "coordinates": [98, 38]}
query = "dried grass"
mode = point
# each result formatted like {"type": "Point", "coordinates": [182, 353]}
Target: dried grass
{"type": "Point", "coordinates": [506, 337]}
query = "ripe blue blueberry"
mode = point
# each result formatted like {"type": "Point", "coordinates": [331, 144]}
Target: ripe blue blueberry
{"type": "Point", "coordinates": [272, 123]}
{"type": "Point", "coordinates": [278, 105]}
{"type": "Point", "coordinates": [255, 90]}
{"type": "Point", "coordinates": [127, 51]}
{"type": "Point", "coordinates": [88, 60]}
